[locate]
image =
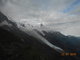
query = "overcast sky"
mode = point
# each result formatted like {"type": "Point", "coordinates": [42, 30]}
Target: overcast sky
{"type": "Point", "coordinates": [60, 15]}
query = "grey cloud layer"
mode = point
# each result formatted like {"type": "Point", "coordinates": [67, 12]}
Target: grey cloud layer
{"type": "Point", "coordinates": [43, 11]}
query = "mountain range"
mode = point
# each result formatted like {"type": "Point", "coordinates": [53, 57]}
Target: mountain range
{"type": "Point", "coordinates": [18, 45]}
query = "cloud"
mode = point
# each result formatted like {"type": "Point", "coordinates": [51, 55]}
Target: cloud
{"type": "Point", "coordinates": [47, 12]}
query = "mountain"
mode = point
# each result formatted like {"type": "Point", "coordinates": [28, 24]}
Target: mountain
{"type": "Point", "coordinates": [65, 42]}
{"type": "Point", "coordinates": [18, 45]}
